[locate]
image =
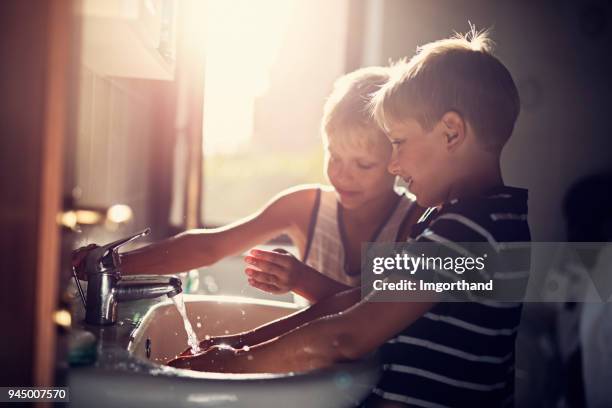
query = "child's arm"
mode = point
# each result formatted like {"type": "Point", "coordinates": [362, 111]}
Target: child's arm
{"type": "Point", "coordinates": [281, 272]}
{"type": "Point", "coordinates": [202, 247]}
{"type": "Point", "coordinates": [345, 336]}
{"type": "Point", "coordinates": [332, 305]}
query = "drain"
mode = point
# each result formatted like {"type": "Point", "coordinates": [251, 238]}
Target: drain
{"type": "Point", "coordinates": [148, 347]}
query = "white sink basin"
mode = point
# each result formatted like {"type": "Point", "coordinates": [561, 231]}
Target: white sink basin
{"type": "Point", "coordinates": [153, 384]}
{"type": "Point", "coordinates": [209, 315]}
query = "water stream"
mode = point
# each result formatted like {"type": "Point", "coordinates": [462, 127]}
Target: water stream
{"type": "Point", "coordinates": [192, 339]}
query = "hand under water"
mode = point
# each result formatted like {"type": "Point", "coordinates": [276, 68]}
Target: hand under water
{"type": "Point", "coordinates": [235, 341]}
{"type": "Point", "coordinates": [214, 359]}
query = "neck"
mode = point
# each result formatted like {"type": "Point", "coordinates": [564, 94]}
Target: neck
{"type": "Point", "coordinates": [478, 179]}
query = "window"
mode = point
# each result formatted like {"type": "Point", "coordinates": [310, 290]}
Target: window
{"type": "Point", "coordinates": [269, 67]}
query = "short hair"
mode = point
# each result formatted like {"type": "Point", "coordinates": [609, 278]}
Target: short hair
{"type": "Point", "coordinates": [347, 110]}
{"type": "Point", "coordinates": [458, 74]}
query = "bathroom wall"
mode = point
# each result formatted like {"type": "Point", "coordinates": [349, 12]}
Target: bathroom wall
{"type": "Point", "coordinates": [121, 153]}
{"type": "Point", "coordinates": [112, 154]}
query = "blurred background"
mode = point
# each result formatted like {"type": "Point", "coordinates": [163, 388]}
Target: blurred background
{"type": "Point", "coordinates": [174, 114]}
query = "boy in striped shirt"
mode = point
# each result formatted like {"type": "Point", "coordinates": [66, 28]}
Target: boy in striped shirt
{"type": "Point", "coordinates": [448, 112]}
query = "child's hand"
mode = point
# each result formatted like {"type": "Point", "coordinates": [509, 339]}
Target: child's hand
{"type": "Point", "coordinates": [234, 341]}
{"type": "Point", "coordinates": [215, 359]}
{"type": "Point", "coordinates": [204, 345]}
{"type": "Point", "coordinates": [275, 271]}
{"type": "Point", "coordinates": [78, 260]}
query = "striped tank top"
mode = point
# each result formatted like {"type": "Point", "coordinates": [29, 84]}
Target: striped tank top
{"type": "Point", "coordinates": [326, 246]}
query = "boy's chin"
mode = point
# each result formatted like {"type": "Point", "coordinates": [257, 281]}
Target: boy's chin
{"type": "Point", "coordinates": [350, 204]}
{"type": "Point", "coordinates": [422, 202]}
{"type": "Point", "coordinates": [426, 201]}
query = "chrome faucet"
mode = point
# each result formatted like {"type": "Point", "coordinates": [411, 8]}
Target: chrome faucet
{"type": "Point", "coordinates": [106, 287]}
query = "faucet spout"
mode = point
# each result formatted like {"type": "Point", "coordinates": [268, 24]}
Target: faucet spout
{"type": "Point", "coordinates": [106, 287]}
{"type": "Point", "coordinates": [105, 291]}
{"type": "Point", "coordinates": [146, 287]}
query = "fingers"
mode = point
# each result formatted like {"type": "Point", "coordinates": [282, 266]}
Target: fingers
{"type": "Point", "coordinates": [262, 277]}
{"type": "Point", "coordinates": [188, 353]}
{"type": "Point", "coordinates": [258, 267]}
{"type": "Point", "coordinates": [268, 282]}
{"type": "Point", "coordinates": [271, 271]}
{"type": "Point", "coordinates": [179, 362]}
{"type": "Point", "coordinates": [266, 287]}
{"type": "Point", "coordinates": [204, 346]}
{"type": "Point", "coordinates": [79, 254]}
{"type": "Point", "coordinates": [280, 259]}
{"type": "Point", "coordinates": [78, 257]}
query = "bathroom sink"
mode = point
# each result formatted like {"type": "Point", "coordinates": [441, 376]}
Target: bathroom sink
{"type": "Point", "coordinates": [211, 316]}
{"type": "Point", "coordinates": [140, 377]}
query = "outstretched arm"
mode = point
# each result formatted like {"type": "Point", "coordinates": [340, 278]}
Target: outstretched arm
{"type": "Point", "coordinates": [202, 247]}
{"type": "Point", "coordinates": [344, 336]}
{"type": "Point", "coordinates": [329, 306]}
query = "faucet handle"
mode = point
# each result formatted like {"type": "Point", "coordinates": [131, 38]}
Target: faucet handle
{"type": "Point", "coordinates": [107, 256]}
{"type": "Point", "coordinates": [113, 246]}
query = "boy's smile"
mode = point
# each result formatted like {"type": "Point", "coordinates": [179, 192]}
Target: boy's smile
{"type": "Point", "coordinates": [420, 159]}
{"type": "Point", "coordinates": [358, 174]}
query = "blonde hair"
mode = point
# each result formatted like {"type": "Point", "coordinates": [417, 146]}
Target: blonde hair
{"type": "Point", "coordinates": [346, 114]}
{"type": "Point", "coordinates": [458, 74]}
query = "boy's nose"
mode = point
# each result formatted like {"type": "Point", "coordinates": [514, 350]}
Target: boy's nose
{"type": "Point", "coordinates": [341, 173]}
{"type": "Point", "coordinates": [344, 176]}
{"type": "Point", "coordinates": [393, 166]}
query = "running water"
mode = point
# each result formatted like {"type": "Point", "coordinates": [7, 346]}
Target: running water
{"type": "Point", "coordinates": [192, 339]}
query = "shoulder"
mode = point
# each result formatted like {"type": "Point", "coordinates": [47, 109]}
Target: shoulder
{"type": "Point", "coordinates": [499, 215]}
{"type": "Point", "coordinates": [295, 201]}
{"type": "Point", "coordinates": [304, 193]}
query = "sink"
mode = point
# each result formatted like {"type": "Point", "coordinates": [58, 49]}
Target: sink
{"type": "Point", "coordinates": [209, 315]}
{"type": "Point", "coordinates": [138, 377]}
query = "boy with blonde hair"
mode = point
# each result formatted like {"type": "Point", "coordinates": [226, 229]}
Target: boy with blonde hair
{"type": "Point", "coordinates": [327, 224]}
{"type": "Point", "coordinates": [447, 112]}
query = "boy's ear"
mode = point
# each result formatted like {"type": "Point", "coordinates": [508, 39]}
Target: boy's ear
{"type": "Point", "coordinates": [453, 128]}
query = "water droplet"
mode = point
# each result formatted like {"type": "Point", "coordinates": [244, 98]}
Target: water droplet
{"type": "Point", "coordinates": [199, 325]}
{"type": "Point", "coordinates": [207, 337]}
{"type": "Point", "coordinates": [226, 332]}
{"type": "Point", "coordinates": [246, 348]}
{"type": "Point", "coordinates": [250, 357]}
{"type": "Point", "coordinates": [198, 317]}
{"type": "Point", "coordinates": [243, 312]}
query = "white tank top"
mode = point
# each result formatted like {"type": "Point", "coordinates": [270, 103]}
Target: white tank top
{"type": "Point", "coordinates": [325, 250]}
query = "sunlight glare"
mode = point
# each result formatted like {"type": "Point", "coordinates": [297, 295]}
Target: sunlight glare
{"type": "Point", "coordinates": [242, 42]}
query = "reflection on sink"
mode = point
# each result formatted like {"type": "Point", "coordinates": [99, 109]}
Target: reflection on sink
{"type": "Point", "coordinates": [146, 381]}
